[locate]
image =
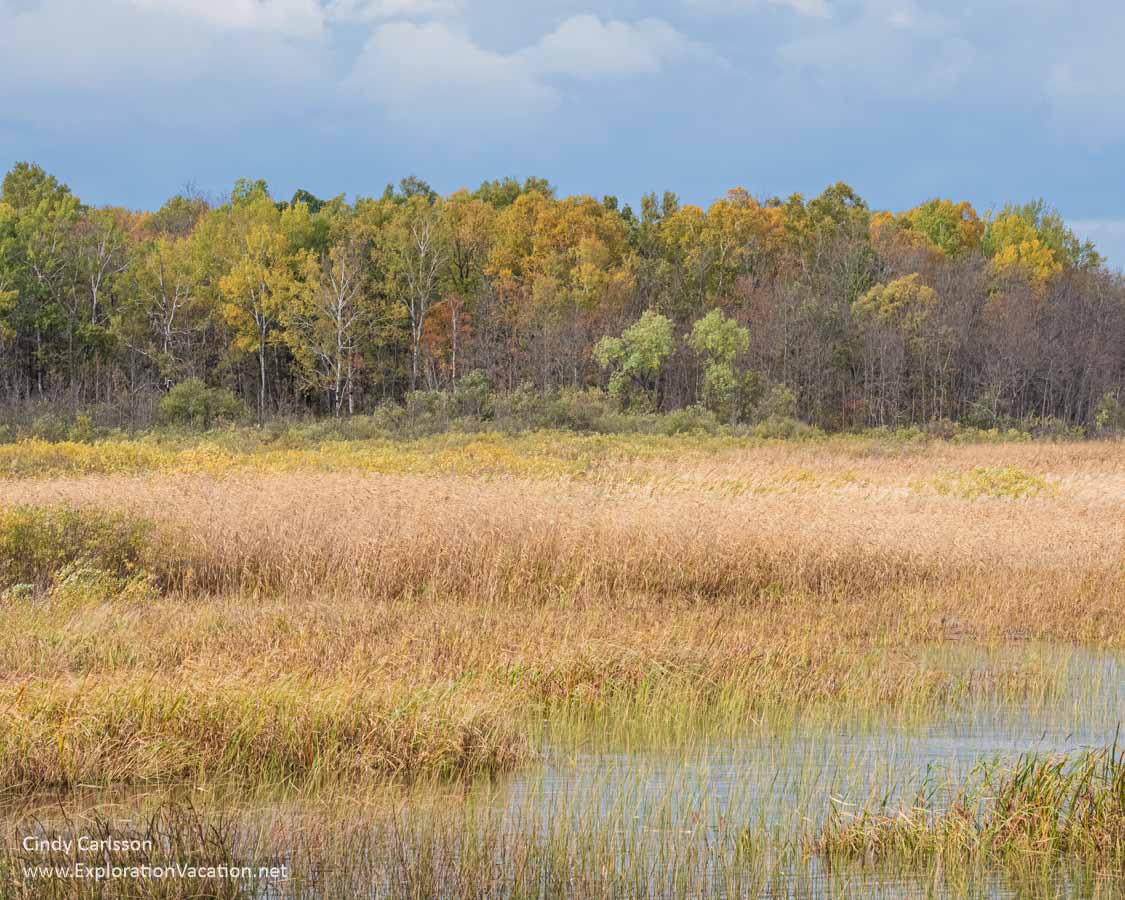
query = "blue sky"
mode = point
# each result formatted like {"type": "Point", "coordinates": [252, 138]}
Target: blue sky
{"type": "Point", "coordinates": [130, 100]}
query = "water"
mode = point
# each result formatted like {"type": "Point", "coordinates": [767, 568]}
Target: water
{"type": "Point", "coordinates": [714, 811]}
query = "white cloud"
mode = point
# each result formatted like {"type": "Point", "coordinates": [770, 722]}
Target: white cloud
{"type": "Point", "coordinates": [418, 69]}
{"type": "Point", "coordinates": [892, 48]}
{"type": "Point", "coordinates": [584, 47]}
{"type": "Point", "coordinates": [816, 9]}
{"type": "Point", "coordinates": [1086, 84]}
{"type": "Point", "coordinates": [294, 17]}
{"type": "Point", "coordinates": [408, 67]}
{"type": "Point", "coordinates": [358, 11]}
{"type": "Point", "coordinates": [131, 61]}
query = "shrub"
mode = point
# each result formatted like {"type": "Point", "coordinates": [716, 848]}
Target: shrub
{"type": "Point", "coordinates": [48, 427]}
{"type": "Point", "coordinates": [777, 402]}
{"type": "Point", "coordinates": [783, 428]}
{"type": "Point", "coordinates": [191, 404]}
{"type": "Point", "coordinates": [39, 543]}
{"type": "Point", "coordinates": [581, 410]}
{"type": "Point", "coordinates": [427, 412]}
{"type": "Point", "coordinates": [82, 431]}
{"type": "Point", "coordinates": [472, 396]}
{"type": "Point", "coordinates": [522, 408]}
{"type": "Point", "coordinates": [1109, 417]}
{"type": "Point", "coordinates": [692, 419]}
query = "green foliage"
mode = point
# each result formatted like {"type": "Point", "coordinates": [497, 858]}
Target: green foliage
{"type": "Point", "coordinates": [26, 186]}
{"type": "Point", "coordinates": [1003, 482]}
{"type": "Point", "coordinates": [1109, 417]}
{"type": "Point", "coordinates": [502, 193]}
{"type": "Point", "coordinates": [472, 396]}
{"type": "Point", "coordinates": [952, 228]}
{"type": "Point", "coordinates": [635, 358]}
{"type": "Point", "coordinates": [691, 420]}
{"type": "Point", "coordinates": [40, 545]}
{"type": "Point", "coordinates": [783, 428]}
{"type": "Point", "coordinates": [776, 402]}
{"type": "Point", "coordinates": [718, 340]}
{"type": "Point", "coordinates": [82, 431]}
{"type": "Point", "coordinates": [192, 404]}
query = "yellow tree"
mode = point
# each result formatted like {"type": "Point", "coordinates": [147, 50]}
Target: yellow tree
{"type": "Point", "coordinates": [894, 319]}
{"type": "Point", "coordinates": [325, 321]}
{"type": "Point", "coordinates": [471, 223]}
{"type": "Point", "coordinates": [558, 263]}
{"type": "Point", "coordinates": [266, 277]}
{"type": "Point", "coordinates": [1018, 248]}
{"type": "Point", "coordinates": [413, 252]}
{"type": "Point", "coordinates": [741, 237]}
{"type": "Point", "coordinates": [944, 228]}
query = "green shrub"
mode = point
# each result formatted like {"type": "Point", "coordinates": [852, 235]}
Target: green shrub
{"type": "Point", "coordinates": [782, 428]}
{"type": "Point", "coordinates": [82, 431]}
{"type": "Point", "coordinates": [472, 396]}
{"type": "Point", "coordinates": [776, 402]}
{"type": "Point", "coordinates": [693, 419]}
{"type": "Point", "coordinates": [1109, 417]}
{"type": "Point", "coordinates": [39, 543]}
{"type": "Point", "coordinates": [577, 410]}
{"type": "Point", "coordinates": [427, 412]}
{"type": "Point", "coordinates": [524, 408]}
{"type": "Point", "coordinates": [48, 427]}
{"type": "Point", "coordinates": [191, 404]}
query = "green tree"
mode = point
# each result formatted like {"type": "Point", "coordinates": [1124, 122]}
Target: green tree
{"type": "Point", "coordinates": [718, 340]}
{"type": "Point", "coordinates": [634, 360]}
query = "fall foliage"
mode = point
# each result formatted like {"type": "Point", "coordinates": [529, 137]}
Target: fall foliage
{"type": "Point", "coordinates": [854, 316]}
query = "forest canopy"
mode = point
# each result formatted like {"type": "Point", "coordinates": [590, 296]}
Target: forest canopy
{"type": "Point", "coordinates": [820, 308]}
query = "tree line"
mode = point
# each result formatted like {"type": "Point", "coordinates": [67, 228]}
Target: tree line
{"type": "Point", "coordinates": [836, 313]}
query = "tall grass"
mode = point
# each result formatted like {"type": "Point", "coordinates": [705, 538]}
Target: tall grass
{"type": "Point", "coordinates": [1040, 809]}
{"type": "Point", "coordinates": [285, 626]}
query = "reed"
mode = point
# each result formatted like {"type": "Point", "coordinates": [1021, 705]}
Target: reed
{"type": "Point", "coordinates": [1039, 809]}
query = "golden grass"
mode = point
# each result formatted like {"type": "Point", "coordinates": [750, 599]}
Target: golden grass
{"type": "Point", "coordinates": [265, 732]}
{"type": "Point", "coordinates": [721, 580]}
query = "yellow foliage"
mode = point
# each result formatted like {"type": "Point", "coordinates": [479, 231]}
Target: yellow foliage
{"type": "Point", "coordinates": [1031, 258]}
{"type": "Point", "coordinates": [1018, 249]}
{"type": "Point", "coordinates": [905, 300]}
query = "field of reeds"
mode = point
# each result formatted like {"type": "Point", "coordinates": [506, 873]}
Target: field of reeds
{"type": "Point", "coordinates": [370, 616]}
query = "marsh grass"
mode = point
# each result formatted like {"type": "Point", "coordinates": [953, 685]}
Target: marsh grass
{"type": "Point", "coordinates": [39, 546]}
{"type": "Point", "coordinates": [1041, 809]}
{"type": "Point", "coordinates": [1006, 482]}
{"type": "Point", "coordinates": [333, 617]}
{"type": "Point", "coordinates": [173, 836]}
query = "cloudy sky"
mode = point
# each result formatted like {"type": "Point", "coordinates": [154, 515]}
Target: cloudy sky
{"type": "Point", "coordinates": [129, 100]}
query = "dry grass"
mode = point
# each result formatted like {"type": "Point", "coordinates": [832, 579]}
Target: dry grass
{"type": "Point", "coordinates": [301, 609]}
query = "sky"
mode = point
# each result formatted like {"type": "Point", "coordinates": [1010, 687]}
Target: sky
{"type": "Point", "coordinates": [129, 101]}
